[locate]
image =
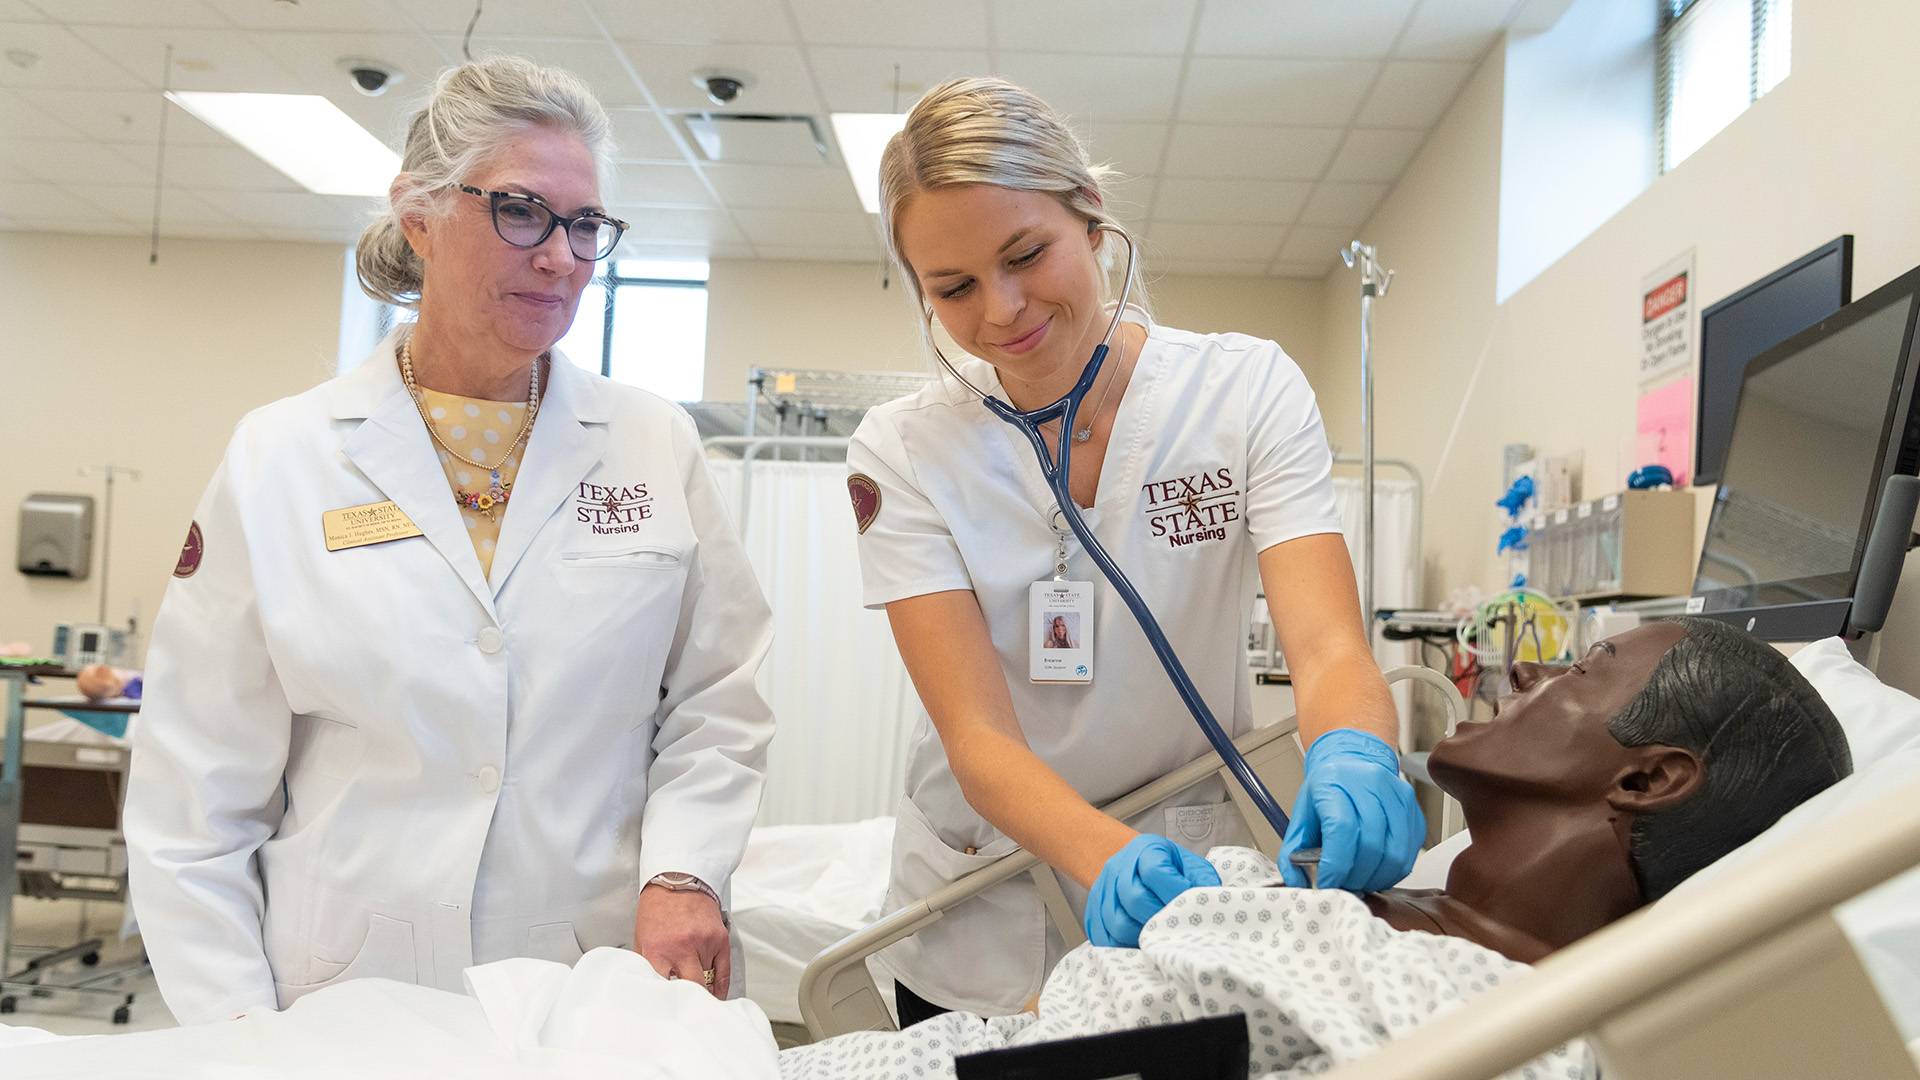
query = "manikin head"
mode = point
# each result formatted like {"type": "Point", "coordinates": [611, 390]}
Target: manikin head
{"type": "Point", "coordinates": [1665, 747]}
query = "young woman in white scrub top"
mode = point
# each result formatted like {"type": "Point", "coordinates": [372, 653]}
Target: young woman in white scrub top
{"type": "Point", "coordinates": [1198, 458]}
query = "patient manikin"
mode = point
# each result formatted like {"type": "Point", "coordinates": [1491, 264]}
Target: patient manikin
{"type": "Point", "coordinates": [1597, 788]}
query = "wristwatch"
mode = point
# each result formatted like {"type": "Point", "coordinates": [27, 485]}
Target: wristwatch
{"type": "Point", "coordinates": [673, 881]}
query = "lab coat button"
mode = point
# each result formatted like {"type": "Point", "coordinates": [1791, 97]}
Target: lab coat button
{"type": "Point", "coordinates": [489, 779]}
{"type": "Point", "coordinates": [491, 639]}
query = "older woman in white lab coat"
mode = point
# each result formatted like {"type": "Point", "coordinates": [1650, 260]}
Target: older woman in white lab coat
{"type": "Point", "coordinates": [459, 662]}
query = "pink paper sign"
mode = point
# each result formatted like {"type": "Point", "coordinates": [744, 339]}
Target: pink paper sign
{"type": "Point", "coordinates": [1666, 428]}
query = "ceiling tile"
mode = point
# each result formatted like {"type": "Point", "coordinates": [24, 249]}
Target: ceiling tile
{"type": "Point", "coordinates": [1258, 153]}
{"type": "Point", "coordinates": [123, 116]}
{"type": "Point", "coordinates": [21, 120]}
{"type": "Point", "coordinates": [289, 210]}
{"type": "Point", "coordinates": [49, 200]}
{"type": "Point", "coordinates": [19, 11]}
{"type": "Point", "coordinates": [779, 72]}
{"type": "Point", "coordinates": [953, 24]}
{"type": "Point", "coordinates": [806, 228]}
{"type": "Point", "coordinates": [95, 225]}
{"type": "Point", "coordinates": [1310, 271]}
{"type": "Point", "coordinates": [134, 203]}
{"type": "Point", "coordinates": [1314, 243]}
{"type": "Point", "coordinates": [1251, 202]}
{"type": "Point", "coordinates": [314, 60]}
{"type": "Point", "coordinates": [632, 248]}
{"type": "Point", "coordinates": [1132, 27]}
{"type": "Point", "coordinates": [1192, 240]}
{"type": "Point", "coordinates": [595, 62]}
{"type": "Point", "coordinates": [640, 135]}
{"type": "Point", "coordinates": [73, 162]}
{"type": "Point", "coordinates": [330, 15]}
{"type": "Point", "coordinates": [672, 22]}
{"type": "Point", "coordinates": [1413, 93]}
{"type": "Point", "coordinates": [1342, 205]}
{"type": "Point", "coordinates": [776, 187]}
{"type": "Point", "coordinates": [307, 236]}
{"type": "Point", "coordinates": [174, 13]}
{"type": "Point", "coordinates": [225, 168]}
{"type": "Point", "coordinates": [202, 59]}
{"type": "Point", "coordinates": [652, 224]}
{"type": "Point", "coordinates": [1212, 267]}
{"type": "Point", "coordinates": [533, 18]}
{"type": "Point", "coordinates": [1134, 149]}
{"type": "Point", "coordinates": [1301, 28]}
{"type": "Point", "coordinates": [861, 80]}
{"type": "Point", "coordinates": [872, 253]}
{"type": "Point", "coordinates": [63, 61]}
{"type": "Point", "coordinates": [658, 185]}
{"type": "Point", "coordinates": [1233, 90]}
{"type": "Point", "coordinates": [206, 230]}
{"type": "Point", "coordinates": [1094, 90]}
{"type": "Point", "coordinates": [1454, 29]}
{"type": "Point", "coordinates": [1129, 200]}
{"type": "Point", "coordinates": [1375, 154]}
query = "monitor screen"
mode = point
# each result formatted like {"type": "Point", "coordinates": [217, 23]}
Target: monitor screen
{"type": "Point", "coordinates": [1791, 516]}
{"type": "Point", "coordinates": [1748, 323]}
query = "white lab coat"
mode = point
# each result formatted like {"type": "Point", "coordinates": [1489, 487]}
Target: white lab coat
{"type": "Point", "coordinates": [375, 762]}
{"type": "Point", "coordinates": [1225, 419]}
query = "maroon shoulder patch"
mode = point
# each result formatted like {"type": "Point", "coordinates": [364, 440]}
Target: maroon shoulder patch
{"type": "Point", "coordinates": [190, 553]}
{"type": "Point", "coordinates": [866, 499]}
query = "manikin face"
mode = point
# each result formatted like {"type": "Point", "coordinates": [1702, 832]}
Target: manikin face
{"type": "Point", "coordinates": [1011, 275]}
{"type": "Point", "coordinates": [521, 299]}
{"type": "Point", "coordinates": [1549, 739]}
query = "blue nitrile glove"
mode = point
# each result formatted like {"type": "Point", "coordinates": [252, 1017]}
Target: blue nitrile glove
{"type": "Point", "coordinates": [1136, 883]}
{"type": "Point", "coordinates": [1356, 809]}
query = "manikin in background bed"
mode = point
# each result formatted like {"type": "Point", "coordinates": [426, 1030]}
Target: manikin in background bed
{"type": "Point", "coordinates": [1593, 791]}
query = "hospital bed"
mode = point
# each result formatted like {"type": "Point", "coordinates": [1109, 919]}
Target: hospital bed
{"type": "Point", "coordinates": [838, 994]}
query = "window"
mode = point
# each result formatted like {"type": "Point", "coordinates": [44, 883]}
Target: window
{"type": "Point", "coordinates": [1716, 58]}
{"type": "Point", "coordinates": [644, 322]}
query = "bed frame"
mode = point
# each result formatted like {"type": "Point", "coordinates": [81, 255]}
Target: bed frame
{"type": "Point", "coordinates": [838, 995]}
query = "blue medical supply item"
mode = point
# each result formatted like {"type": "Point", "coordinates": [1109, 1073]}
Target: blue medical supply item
{"type": "Point", "coordinates": [1516, 496]}
{"type": "Point", "coordinates": [1649, 476]}
{"type": "Point", "coordinates": [1356, 809]}
{"type": "Point", "coordinates": [1054, 465]}
{"type": "Point", "coordinates": [1514, 539]}
{"type": "Point", "coordinates": [1137, 881]}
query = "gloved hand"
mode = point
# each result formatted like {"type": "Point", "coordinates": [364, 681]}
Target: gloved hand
{"type": "Point", "coordinates": [1356, 809]}
{"type": "Point", "coordinates": [1136, 883]}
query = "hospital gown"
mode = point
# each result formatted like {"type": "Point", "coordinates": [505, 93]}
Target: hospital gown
{"type": "Point", "coordinates": [1320, 980]}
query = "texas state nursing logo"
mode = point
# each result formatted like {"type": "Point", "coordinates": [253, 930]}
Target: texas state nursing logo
{"type": "Point", "coordinates": [611, 509]}
{"type": "Point", "coordinates": [866, 499]}
{"type": "Point", "coordinates": [190, 553]}
{"type": "Point", "coordinates": [1192, 509]}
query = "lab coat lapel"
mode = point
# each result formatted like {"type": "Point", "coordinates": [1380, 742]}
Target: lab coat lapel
{"type": "Point", "coordinates": [391, 448]}
{"type": "Point", "coordinates": [569, 438]}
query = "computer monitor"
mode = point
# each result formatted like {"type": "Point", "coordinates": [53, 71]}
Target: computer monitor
{"type": "Point", "coordinates": [1748, 323]}
{"type": "Point", "coordinates": [1823, 419]}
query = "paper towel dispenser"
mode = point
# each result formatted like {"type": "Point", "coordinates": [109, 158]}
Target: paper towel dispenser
{"type": "Point", "coordinates": [56, 535]}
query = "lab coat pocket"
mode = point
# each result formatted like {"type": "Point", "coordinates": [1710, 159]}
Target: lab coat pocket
{"type": "Point", "coordinates": [554, 941]}
{"type": "Point", "coordinates": [323, 745]}
{"type": "Point", "coordinates": [634, 557]}
{"type": "Point", "coordinates": [385, 953]}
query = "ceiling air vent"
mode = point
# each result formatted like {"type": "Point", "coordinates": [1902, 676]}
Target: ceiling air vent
{"type": "Point", "coordinates": [755, 138]}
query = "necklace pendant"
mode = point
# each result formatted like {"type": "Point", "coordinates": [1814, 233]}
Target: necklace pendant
{"type": "Point", "coordinates": [1083, 434]}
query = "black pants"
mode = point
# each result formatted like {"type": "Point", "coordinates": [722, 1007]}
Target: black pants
{"type": "Point", "coordinates": [912, 1007]}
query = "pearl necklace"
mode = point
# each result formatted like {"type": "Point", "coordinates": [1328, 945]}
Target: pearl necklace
{"type": "Point", "coordinates": [526, 424]}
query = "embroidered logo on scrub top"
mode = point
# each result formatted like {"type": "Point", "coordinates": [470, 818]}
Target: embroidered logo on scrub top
{"type": "Point", "coordinates": [190, 553]}
{"type": "Point", "coordinates": [1192, 509]}
{"type": "Point", "coordinates": [619, 508]}
{"type": "Point", "coordinates": [866, 499]}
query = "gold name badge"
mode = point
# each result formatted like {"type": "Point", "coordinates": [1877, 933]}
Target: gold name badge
{"type": "Point", "coordinates": [374, 523]}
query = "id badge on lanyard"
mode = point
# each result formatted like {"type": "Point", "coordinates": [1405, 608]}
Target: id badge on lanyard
{"type": "Point", "coordinates": [1060, 624]}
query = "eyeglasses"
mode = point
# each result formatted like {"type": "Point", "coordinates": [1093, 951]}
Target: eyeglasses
{"type": "Point", "coordinates": [526, 222]}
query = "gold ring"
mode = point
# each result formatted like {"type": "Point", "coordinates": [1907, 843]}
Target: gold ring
{"type": "Point", "coordinates": [707, 976]}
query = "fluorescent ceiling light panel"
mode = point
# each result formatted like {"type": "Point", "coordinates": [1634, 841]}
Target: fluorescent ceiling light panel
{"type": "Point", "coordinates": [862, 138]}
{"type": "Point", "coordinates": [303, 135]}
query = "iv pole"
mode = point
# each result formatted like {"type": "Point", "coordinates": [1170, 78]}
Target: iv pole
{"type": "Point", "coordinates": [106, 531]}
{"type": "Point", "coordinates": [1374, 281]}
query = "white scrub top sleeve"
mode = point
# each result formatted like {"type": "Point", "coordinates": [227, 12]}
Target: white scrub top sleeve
{"type": "Point", "coordinates": [906, 548]}
{"type": "Point", "coordinates": [209, 757]}
{"type": "Point", "coordinates": [1289, 465]}
{"type": "Point", "coordinates": [710, 741]}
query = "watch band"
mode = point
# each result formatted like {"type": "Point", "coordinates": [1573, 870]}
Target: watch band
{"type": "Point", "coordinates": [673, 881]}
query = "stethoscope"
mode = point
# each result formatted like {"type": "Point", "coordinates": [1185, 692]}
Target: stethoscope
{"type": "Point", "coordinates": [1055, 467]}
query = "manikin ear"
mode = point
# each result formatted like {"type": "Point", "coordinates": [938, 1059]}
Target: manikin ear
{"type": "Point", "coordinates": [1657, 778]}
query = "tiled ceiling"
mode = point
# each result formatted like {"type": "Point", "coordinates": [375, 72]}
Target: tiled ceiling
{"type": "Point", "coordinates": [1256, 134]}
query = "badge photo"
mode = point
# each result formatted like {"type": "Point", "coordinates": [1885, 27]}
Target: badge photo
{"type": "Point", "coordinates": [1060, 638]}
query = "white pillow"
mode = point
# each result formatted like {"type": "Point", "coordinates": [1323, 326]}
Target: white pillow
{"type": "Point", "coordinates": [1879, 720]}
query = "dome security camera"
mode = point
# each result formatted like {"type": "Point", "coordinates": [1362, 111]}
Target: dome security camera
{"type": "Point", "coordinates": [722, 87]}
{"type": "Point", "coordinates": [371, 77]}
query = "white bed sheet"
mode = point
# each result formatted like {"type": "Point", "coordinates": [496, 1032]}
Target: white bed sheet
{"type": "Point", "coordinates": [799, 889]}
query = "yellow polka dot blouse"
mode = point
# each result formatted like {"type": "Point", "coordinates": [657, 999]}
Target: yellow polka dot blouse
{"type": "Point", "coordinates": [482, 430]}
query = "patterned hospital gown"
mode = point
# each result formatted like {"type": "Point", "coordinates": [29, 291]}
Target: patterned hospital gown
{"type": "Point", "coordinates": [1319, 979]}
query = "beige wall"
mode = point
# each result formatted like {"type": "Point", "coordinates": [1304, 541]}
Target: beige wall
{"type": "Point", "coordinates": [1826, 152]}
{"type": "Point", "coordinates": [835, 316]}
{"type": "Point", "coordinates": [112, 360]}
